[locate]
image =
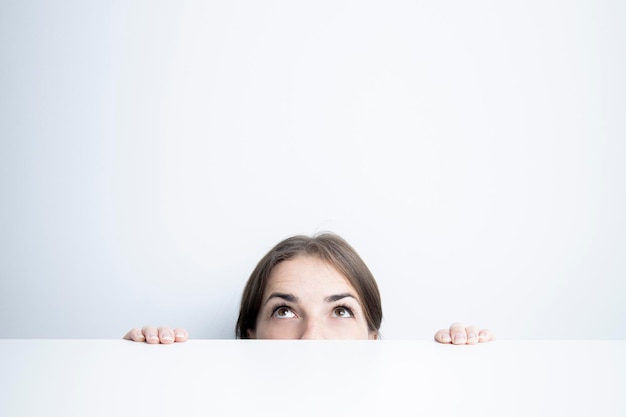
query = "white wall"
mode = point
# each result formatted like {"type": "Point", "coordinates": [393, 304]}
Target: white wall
{"type": "Point", "coordinates": [472, 152]}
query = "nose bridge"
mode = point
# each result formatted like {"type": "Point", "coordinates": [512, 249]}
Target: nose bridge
{"type": "Point", "coordinates": [313, 329]}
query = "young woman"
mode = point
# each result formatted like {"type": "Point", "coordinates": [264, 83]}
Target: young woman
{"type": "Point", "coordinates": [311, 288]}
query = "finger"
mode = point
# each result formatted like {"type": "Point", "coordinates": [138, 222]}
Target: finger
{"type": "Point", "coordinates": [181, 335]}
{"type": "Point", "coordinates": [485, 336]}
{"type": "Point", "coordinates": [457, 333]}
{"type": "Point", "coordinates": [472, 335]}
{"type": "Point", "coordinates": [443, 336]}
{"type": "Point", "coordinates": [151, 334]}
{"type": "Point", "coordinates": [135, 335]}
{"type": "Point", "coordinates": [166, 335]}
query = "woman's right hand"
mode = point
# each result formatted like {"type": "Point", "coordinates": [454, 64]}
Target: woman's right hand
{"type": "Point", "coordinates": [153, 335]}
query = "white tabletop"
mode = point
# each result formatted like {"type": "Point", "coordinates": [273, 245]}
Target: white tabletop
{"type": "Point", "coordinates": [238, 377]}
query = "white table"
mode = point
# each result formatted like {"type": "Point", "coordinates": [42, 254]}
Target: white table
{"type": "Point", "coordinates": [238, 377]}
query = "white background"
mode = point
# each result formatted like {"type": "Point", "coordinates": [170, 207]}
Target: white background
{"type": "Point", "coordinates": [472, 152]}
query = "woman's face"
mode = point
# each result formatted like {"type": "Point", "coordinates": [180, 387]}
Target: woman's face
{"type": "Point", "coordinates": [307, 298]}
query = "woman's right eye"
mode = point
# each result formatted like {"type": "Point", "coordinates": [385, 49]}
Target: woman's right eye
{"type": "Point", "coordinates": [283, 313]}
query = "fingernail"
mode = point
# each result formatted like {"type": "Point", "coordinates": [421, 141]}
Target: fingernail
{"type": "Point", "coordinates": [180, 335]}
{"type": "Point", "coordinates": [153, 338]}
{"type": "Point", "coordinates": [471, 337]}
{"type": "Point", "coordinates": [139, 335]}
{"type": "Point", "coordinates": [459, 339]}
{"type": "Point", "coordinates": [166, 337]}
{"type": "Point", "coordinates": [445, 338]}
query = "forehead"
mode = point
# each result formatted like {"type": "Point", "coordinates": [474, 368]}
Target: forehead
{"type": "Point", "coordinates": [307, 274]}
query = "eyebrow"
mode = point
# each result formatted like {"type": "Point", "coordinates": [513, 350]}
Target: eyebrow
{"type": "Point", "coordinates": [337, 297]}
{"type": "Point", "coordinates": [293, 299]}
{"type": "Point", "coordinates": [287, 297]}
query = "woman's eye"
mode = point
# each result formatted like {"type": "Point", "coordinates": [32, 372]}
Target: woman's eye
{"type": "Point", "coordinates": [342, 312]}
{"type": "Point", "coordinates": [283, 313]}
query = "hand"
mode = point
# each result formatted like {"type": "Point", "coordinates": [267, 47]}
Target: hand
{"type": "Point", "coordinates": [152, 335]}
{"type": "Point", "coordinates": [458, 334]}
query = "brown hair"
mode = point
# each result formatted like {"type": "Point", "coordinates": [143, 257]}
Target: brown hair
{"type": "Point", "coordinates": [329, 247]}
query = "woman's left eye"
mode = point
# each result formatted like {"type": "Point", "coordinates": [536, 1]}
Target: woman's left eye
{"type": "Point", "coordinates": [342, 312]}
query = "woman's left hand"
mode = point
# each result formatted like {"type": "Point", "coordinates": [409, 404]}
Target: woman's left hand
{"type": "Point", "coordinates": [459, 334]}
